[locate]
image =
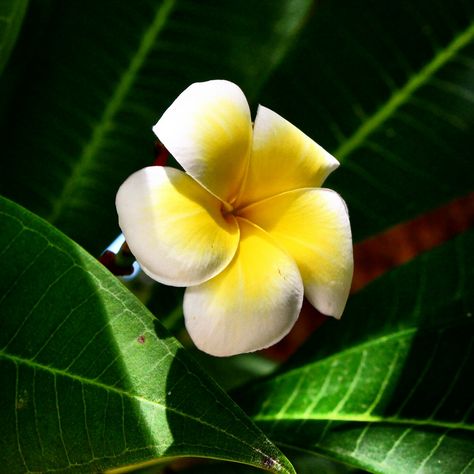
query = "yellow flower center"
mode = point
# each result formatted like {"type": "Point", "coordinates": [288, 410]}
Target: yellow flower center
{"type": "Point", "coordinates": [227, 211]}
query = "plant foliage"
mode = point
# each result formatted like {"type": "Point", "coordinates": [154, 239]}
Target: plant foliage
{"type": "Point", "coordinates": [90, 378]}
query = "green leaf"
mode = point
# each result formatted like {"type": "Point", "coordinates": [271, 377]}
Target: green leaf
{"type": "Point", "coordinates": [105, 74]}
{"type": "Point", "coordinates": [387, 87]}
{"type": "Point", "coordinates": [90, 380]}
{"type": "Point", "coordinates": [11, 18]}
{"type": "Point", "coordinates": [388, 388]}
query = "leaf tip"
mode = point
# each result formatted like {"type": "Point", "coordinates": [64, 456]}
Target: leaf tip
{"type": "Point", "coordinates": [274, 465]}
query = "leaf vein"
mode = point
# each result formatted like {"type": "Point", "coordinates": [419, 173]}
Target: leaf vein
{"type": "Point", "coordinates": [105, 122]}
{"type": "Point", "coordinates": [402, 95]}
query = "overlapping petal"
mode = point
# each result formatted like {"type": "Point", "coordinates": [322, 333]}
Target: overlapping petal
{"type": "Point", "coordinates": [247, 226]}
{"type": "Point", "coordinates": [312, 225]}
{"type": "Point", "coordinates": [283, 158]}
{"type": "Point", "coordinates": [209, 131]}
{"type": "Point", "coordinates": [252, 304]}
{"type": "Point", "coordinates": [174, 227]}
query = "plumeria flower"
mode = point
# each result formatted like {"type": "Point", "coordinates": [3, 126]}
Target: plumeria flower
{"type": "Point", "coordinates": [246, 226]}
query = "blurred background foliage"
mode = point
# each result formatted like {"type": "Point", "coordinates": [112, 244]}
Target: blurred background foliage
{"type": "Point", "coordinates": [387, 87]}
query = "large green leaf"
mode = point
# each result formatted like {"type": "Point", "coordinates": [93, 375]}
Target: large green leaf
{"type": "Point", "coordinates": [389, 387]}
{"type": "Point", "coordinates": [104, 75]}
{"type": "Point", "coordinates": [11, 17]}
{"type": "Point", "coordinates": [388, 88]}
{"type": "Point", "coordinates": [90, 380]}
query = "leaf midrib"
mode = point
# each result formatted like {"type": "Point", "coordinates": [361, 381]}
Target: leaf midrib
{"type": "Point", "coordinates": [123, 393]}
{"type": "Point", "coordinates": [363, 418]}
{"type": "Point", "coordinates": [120, 92]}
{"type": "Point", "coordinates": [403, 94]}
{"type": "Point", "coordinates": [356, 417]}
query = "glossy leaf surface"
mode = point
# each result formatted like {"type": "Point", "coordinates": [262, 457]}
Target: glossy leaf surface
{"type": "Point", "coordinates": [90, 380]}
{"type": "Point", "coordinates": [386, 388]}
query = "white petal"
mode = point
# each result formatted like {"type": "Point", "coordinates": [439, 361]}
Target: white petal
{"type": "Point", "coordinates": [208, 130]}
{"type": "Point", "coordinates": [313, 226]}
{"type": "Point", "coordinates": [174, 227]}
{"type": "Point", "coordinates": [252, 304]}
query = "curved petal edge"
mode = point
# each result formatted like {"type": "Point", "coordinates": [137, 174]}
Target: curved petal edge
{"type": "Point", "coordinates": [208, 130]}
{"type": "Point", "coordinates": [313, 226]}
{"type": "Point", "coordinates": [283, 158]}
{"type": "Point", "coordinates": [252, 304]}
{"type": "Point", "coordinates": [174, 227]}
